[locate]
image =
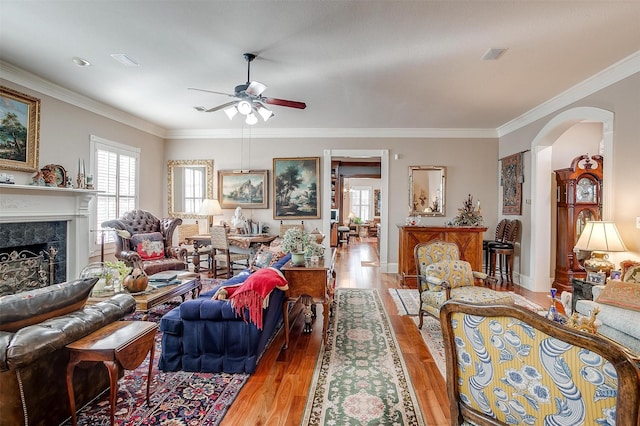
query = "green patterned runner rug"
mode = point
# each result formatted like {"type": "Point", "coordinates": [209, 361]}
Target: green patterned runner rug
{"type": "Point", "coordinates": [361, 377]}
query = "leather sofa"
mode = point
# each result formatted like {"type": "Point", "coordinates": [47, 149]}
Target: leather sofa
{"type": "Point", "coordinates": [141, 225]}
{"type": "Point", "coordinates": [206, 335]}
{"type": "Point", "coordinates": [35, 326]}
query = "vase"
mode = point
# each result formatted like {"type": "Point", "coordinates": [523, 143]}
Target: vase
{"type": "Point", "coordinates": [599, 262]}
{"type": "Point", "coordinates": [297, 259]}
{"type": "Point", "coordinates": [135, 284]}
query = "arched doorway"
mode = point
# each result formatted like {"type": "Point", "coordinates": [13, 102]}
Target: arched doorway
{"type": "Point", "coordinates": [542, 149]}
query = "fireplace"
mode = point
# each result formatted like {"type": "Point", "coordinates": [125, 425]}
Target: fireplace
{"type": "Point", "coordinates": [37, 218]}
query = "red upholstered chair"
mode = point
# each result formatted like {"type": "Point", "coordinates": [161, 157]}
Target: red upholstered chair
{"type": "Point", "coordinates": [149, 242]}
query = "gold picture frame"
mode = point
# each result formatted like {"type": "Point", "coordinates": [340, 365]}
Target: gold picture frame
{"type": "Point", "coordinates": [22, 112]}
{"type": "Point", "coordinates": [246, 189]}
{"type": "Point", "coordinates": [296, 188]}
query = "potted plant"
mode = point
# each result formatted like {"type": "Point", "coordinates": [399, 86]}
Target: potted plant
{"type": "Point", "coordinates": [296, 241]}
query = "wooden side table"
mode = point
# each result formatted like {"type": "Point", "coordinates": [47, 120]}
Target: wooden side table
{"type": "Point", "coordinates": [582, 290]}
{"type": "Point", "coordinates": [310, 281]}
{"type": "Point", "coordinates": [119, 345]}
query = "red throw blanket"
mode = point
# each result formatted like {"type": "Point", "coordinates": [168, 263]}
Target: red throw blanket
{"type": "Point", "coordinates": [254, 293]}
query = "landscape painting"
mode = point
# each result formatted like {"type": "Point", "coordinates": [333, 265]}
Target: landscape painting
{"type": "Point", "coordinates": [296, 188]}
{"type": "Point", "coordinates": [243, 188]}
{"type": "Point", "coordinates": [19, 130]}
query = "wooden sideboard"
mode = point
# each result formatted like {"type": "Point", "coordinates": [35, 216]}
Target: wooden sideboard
{"type": "Point", "coordinates": [469, 241]}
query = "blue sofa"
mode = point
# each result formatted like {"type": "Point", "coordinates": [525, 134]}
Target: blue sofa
{"type": "Point", "coordinates": [207, 336]}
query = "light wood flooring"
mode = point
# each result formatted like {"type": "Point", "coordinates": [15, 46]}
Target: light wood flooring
{"type": "Point", "coordinates": [277, 392]}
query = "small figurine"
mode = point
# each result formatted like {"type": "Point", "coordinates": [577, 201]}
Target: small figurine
{"type": "Point", "coordinates": [237, 221]}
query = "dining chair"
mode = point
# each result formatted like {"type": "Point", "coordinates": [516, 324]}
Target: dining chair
{"type": "Point", "coordinates": [185, 231]}
{"type": "Point", "coordinates": [220, 254]}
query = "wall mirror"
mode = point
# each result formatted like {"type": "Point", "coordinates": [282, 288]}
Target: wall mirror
{"type": "Point", "coordinates": [426, 190]}
{"type": "Point", "coordinates": [190, 181]}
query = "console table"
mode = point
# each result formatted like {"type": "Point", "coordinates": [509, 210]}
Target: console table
{"type": "Point", "coordinates": [313, 282]}
{"type": "Point", "coordinates": [119, 345]}
{"type": "Point", "coordinates": [468, 239]}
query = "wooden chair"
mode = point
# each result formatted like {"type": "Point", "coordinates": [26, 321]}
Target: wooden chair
{"type": "Point", "coordinates": [188, 230]}
{"type": "Point", "coordinates": [505, 251]}
{"type": "Point", "coordinates": [502, 225]}
{"type": "Point", "coordinates": [220, 254]}
{"type": "Point", "coordinates": [508, 365]}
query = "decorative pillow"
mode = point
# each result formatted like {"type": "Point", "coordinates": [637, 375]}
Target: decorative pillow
{"type": "Point", "coordinates": [148, 246]}
{"type": "Point", "coordinates": [632, 275]}
{"type": "Point", "coordinates": [34, 306]}
{"type": "Point", "coordinates": [457, 273]}
{"type": "Point", "coordinates": [621, 294]}
{"type": "Point", "coordinates": [266, 256]}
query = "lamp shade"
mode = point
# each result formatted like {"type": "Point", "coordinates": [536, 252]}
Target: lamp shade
{"type": "Point", "coordinates": [210, 208]}
{"type": "Point", "coordinates": [600, 236]}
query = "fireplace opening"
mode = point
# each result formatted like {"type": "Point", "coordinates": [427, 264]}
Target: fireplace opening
{"type": "Point", "coordinates": [38, 237]}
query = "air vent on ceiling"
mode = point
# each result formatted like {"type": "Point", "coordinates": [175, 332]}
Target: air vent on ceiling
{"type": "Point", "coordinates": [125, 60]}
{"type": "Point", "coordinates": [493, 54]}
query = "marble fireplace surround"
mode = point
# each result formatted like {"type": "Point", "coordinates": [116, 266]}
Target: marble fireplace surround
{"type": "Point", "coordinates": [26, 203]}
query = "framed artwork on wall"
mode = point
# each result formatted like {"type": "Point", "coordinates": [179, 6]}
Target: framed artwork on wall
{"type": "Point", "coordinates": [20, 117]}
{"type": "Point", "coordinates": [377, 206]}
{"type": "Point", "coordinates": [243, 188]}
{"type": "Point", "coordinates": [296, 188]}
{"type": "Point", "coordinates": [512, 184]}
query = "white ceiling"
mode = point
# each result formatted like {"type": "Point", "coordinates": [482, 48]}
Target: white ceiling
{"type": "Point", "coordinates": [357, 64]}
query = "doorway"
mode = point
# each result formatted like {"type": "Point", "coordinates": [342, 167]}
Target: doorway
{"type": "Point", "coordinates": [540, 276]}
{"type": "Point", "coordinates": [381, 156]}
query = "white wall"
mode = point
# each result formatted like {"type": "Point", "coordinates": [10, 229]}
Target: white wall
{"type": "Point", "coordinates": [621, 99]}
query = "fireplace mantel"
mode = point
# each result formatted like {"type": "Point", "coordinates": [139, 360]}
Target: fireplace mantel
{"type": "Point", "coordinates": [30, 203]}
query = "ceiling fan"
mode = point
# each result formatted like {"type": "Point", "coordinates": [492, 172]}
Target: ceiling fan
{"type": "Point", "coordinates": [249, 99]}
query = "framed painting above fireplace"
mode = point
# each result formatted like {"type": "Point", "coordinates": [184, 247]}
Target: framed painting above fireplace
{"type": "Point", "coordinates": [20, 116]}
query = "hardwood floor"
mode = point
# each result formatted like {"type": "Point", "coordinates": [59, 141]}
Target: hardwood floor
{"type": "Point", "coordinates": [277, 392]}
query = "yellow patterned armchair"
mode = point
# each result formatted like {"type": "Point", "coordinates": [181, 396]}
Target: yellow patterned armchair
{"type": "Point", "coordinates": [507, 365]}
{"type": "Point", "coordinates": [443, 276]}
{"type": "Point", "coordinates": [454, 279]}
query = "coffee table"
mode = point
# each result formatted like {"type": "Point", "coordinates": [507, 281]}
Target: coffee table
{"type": "Point", "coordinates": [155, 296]}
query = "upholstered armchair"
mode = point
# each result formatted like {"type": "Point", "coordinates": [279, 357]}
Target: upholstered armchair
{"type": "Point", "coordinates": [147, 241]}
{"type": "Point", "coordinates": [508, 365]}
{"type": "Point", "coordinates": [454, 280]}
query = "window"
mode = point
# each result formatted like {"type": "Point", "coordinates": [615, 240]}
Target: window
{"type": "Point", "coordinates": [116, 177]}
{"type": "Point", "coordinates": [361, 201]}
{"type": "Point", "coordinates": [193, 190]}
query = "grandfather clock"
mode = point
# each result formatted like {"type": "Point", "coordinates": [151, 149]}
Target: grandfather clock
{"type": "Point", "coordinates": [579, 199]}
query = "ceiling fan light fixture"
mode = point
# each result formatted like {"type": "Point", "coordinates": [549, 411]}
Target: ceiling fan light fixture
{"type": "Point", "coordinates": [231, 112]}
{"type": "Point", "coordinates": [264, 112]}
{"type": "Point", "coordinates": [244, 107]}
{"type": "Point", "coordinates": [251, 119]}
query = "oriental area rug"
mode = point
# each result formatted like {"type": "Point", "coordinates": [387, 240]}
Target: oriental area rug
{"type": "Point", "coordinates": [360, 377]}
{"type": "Point", "coordinates": [177, 398]}
{"type": "Point", "coordinates": [407, 304]}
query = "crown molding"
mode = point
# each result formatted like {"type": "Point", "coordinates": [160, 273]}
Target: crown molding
{"type": "Point", "coordinates": [24, 78]}
{"type": "Point", "coordinates": [610, 75]}
{"type": "Point", "coordinates": [281, 133]}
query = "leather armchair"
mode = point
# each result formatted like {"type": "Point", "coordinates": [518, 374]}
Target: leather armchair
{"type": "Point", "coordinates": [138, 222]}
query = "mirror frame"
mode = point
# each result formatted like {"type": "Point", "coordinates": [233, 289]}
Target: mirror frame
{"type": "Point", "coordinates": [171, 166]}
{"type": "Point", "coordinates": [416, 178]}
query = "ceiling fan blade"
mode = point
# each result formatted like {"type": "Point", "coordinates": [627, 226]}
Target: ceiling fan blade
{"type": "Point", "coordinates": [219, 107]}
{"type": "Point", "coordinates": [285, 103]}
{"type": "Point", "coordinates": [211, 91]}
{"type": "Point", "coordinates": [255, 88]}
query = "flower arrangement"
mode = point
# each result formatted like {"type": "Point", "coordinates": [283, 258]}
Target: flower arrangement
{"type": "Point", "coordinates": [468, 215]}
{"type": "Point", "coordinates": [296, 240]}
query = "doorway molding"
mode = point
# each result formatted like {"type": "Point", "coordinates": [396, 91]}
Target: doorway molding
{"type": "Point", "coordinates": [383, 155]}
{"type": "Point", "coordinates": [541, 166]}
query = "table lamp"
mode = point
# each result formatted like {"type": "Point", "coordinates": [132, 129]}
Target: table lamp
{"type": "Point", "coordinates": [599, 237]}
{"type": "Point", "coordinates": [210, 208]}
